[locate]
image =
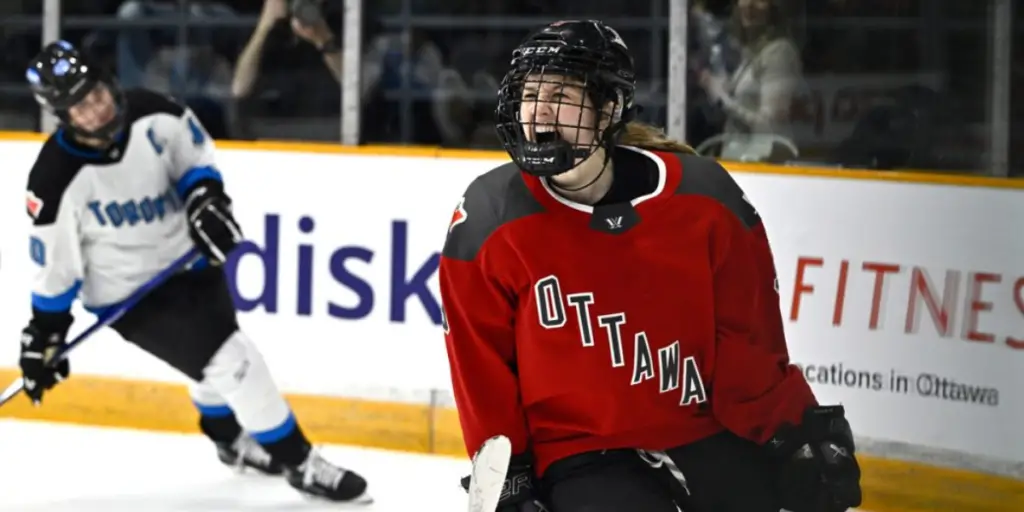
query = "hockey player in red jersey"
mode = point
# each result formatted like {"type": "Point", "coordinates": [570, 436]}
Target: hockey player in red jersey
{"type": "Point", "coordinates": [611, 307]}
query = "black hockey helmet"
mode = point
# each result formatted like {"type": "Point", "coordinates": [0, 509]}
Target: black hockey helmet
{"type": "Point", "coordinates": [60, 78]}
{"type": "Point", "coordinates": [588, 54]}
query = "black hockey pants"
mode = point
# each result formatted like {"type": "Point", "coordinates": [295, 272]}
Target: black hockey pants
{"type": "Point", "coordinates": [184, 322]}
{"type": "Point", "coordinates": [723, 473]}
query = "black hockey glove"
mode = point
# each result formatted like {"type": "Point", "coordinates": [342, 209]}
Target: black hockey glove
{"type": "Point", "coordinates": [44, 334]}
{"type": "Point", "coordinates": [519, 493]}
{"type": "Point", "coordinates": [211, 225]}
{"type": "Point", "coordinates": [818, 471]}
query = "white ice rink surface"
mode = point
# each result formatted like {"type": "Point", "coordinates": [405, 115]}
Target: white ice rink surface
{"type": "Point", "coordinates": [63, 468]}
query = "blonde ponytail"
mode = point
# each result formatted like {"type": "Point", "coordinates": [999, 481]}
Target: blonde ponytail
{"type": "Point", "coordinates": [645, 136]}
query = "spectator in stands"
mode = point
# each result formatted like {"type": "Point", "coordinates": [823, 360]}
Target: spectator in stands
{"type": "Point", "coordinates": [191, 70]}
{"type": "Point", "coordinates": [305, 79]}
{"type": "Point", "coordinates": [17, 45]}
{"type": "Point", "coordinates": [301, 89]}
{"type": "Point", "coordinates": [464, 97]}
{"type": "Point", "coordinates": [756, 97]}
{"type": "Point", "coordinates": [156, 59]}
{"type": "Point", "coordinates": [393, 61]}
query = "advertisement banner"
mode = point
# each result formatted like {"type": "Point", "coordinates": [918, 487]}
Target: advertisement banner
{"type": "Point", "coordinates": [905, 302]}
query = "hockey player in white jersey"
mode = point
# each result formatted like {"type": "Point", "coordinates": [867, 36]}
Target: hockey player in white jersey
{"type": "Point", "coordinates": [125, 186]}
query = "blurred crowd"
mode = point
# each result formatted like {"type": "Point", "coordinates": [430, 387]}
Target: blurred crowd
{"type": "Point", "coordinates": [875, 84]}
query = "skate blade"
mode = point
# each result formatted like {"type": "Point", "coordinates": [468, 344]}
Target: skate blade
{"type": "Point", "coordinates": [248, 471]}
{"type": "Point", "coordinates": [362, 500]}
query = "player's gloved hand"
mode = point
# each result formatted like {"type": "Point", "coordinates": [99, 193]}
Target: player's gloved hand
{"type": "Point", "coordinates": [818, 471]}
{"type": "Point", "coordinates": [43, 335]}
{"type": "Point", "coordinates": [519, 493]}
{"type": "Point", "coordinates": [212, 226]}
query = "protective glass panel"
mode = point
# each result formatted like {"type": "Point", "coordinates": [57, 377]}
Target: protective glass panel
{"type": "Point", "coordinates": [879, 84]}
{"type": "Point", "coordinates": [250, 70]}
{"type": "Point", "coordinates": [21, 30]}
{"type": "Point", "coordinates": [431, 69]}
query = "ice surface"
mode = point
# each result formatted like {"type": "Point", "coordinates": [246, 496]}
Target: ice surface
{"type": "Point", "coordinates": [63, 468]}
{"type": "Point", "coordinates": [67, 468]}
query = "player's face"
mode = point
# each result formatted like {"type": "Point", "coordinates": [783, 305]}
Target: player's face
{"type": "Point", "coordinates": [753, 13]}
{"type": "Point", "coordinates": [555, 104]}
{"type": "Point", "coordinates": [96, 109]}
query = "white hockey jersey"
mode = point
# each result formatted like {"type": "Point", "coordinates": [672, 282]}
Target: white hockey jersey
{"type": "Point", "coordinates": [105, 222]}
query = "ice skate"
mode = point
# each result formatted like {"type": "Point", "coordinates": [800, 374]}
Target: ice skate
{"type": "Point", "coordinates": [244, 453]}
{"type": "Point", "coordinates": [319, 478]}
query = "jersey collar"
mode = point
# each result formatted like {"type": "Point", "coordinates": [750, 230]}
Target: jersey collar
{"type": "Point", "coordinates": [664, 187]}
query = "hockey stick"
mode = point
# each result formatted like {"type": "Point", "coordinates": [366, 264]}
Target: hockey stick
{"type": "Point", "coordinates": [110, 317]}
{"type": "Point", "coordinates": [490, 465]}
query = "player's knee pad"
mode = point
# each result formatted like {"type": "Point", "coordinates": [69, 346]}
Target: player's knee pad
{"type": "Point", "coordinates": [239, 376]}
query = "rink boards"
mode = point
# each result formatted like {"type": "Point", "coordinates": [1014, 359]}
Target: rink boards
{"type": "Point", "coordinates": [903, 297]}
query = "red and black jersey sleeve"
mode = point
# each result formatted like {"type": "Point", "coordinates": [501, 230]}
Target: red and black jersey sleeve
{"type": "Point", "coordinates": [477, 281]}
{"type": "Point", "coordinates": [706, 177]}
{"type": "Point", "coordinates": [768, 310]}
{"type": "Point", "coordinates": [754, 389]}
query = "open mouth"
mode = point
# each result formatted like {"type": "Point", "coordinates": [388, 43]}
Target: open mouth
{"type": "Point", "coordinates": [544, 134]}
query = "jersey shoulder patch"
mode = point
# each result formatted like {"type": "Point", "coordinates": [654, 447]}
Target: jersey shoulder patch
{"type": "Point", "coordinates": [706, 177]}
{"type": "Point", "coordinates": [459, 216]}
{"type": "Point", "coordinates": [143, 102]}
{"type": "Point", "coordinates": [493, 199]}
{"type": "Point", "coordinates": [51, 175]}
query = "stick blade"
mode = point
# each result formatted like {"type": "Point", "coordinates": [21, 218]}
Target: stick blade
{"type": "Point", "coordinates": [490, 465]}
{"type": "Point", "coordinates": [16, 387]}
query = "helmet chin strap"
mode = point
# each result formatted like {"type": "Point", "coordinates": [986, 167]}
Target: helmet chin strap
{"type": "Point", "coordinates": [104, 137]}
{"type": "Point", "coordinates": [608, 145]}
{"type": "Point", "coordinates": [604, 167]}
{"type": "Point", "coordinates": [607, 142]}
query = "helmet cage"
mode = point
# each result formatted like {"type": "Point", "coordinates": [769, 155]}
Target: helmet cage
{"type": "Point", "coordinates": [109, 131]}
{"type": "Point", "coordinates": [603, 80]}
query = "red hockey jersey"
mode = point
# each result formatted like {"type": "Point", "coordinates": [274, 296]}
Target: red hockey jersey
{"type": "Point", "coordinates": [649, 324]}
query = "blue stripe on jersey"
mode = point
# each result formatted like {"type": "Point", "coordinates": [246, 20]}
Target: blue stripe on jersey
{"type": "Point", "coordinates": [194, 175]}
{"type": "Point", "coordinates": [82, 152]}
{"type": "Point", "coordinates": [66, 146]}
{"type": "Point", "coordinates": [58, 303]}
{"type": "Point", "coordinates": [213, 411]}
{"type": "Point", "coordinates": [100, 311]}
{"type": "Point", "coordinates": [277, 433]}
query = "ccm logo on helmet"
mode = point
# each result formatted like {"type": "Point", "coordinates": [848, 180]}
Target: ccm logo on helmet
{"type": "Point", "coordinates": [541, 50]}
